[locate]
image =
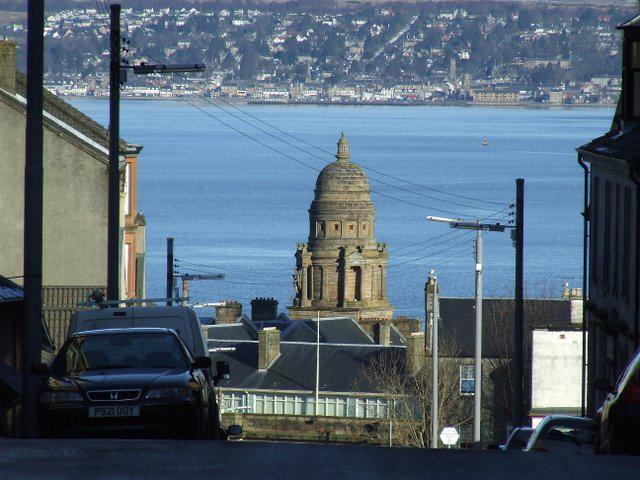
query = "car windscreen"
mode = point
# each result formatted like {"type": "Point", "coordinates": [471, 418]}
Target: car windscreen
{"type": "Point", "coordinates": [519, 439]}
{"type": "Point", "coordinates": [120, 350]}
{"type": "Point", "coordinates": [571, 431]}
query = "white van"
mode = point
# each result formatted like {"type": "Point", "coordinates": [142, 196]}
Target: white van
{"type": "Point", "coordinates": [183, 320]}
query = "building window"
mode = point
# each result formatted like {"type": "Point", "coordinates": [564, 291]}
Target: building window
{"type": "Point", "coordinates": [320, 229]}
{"type": "Point", "coordinates": [467, 382]}
{"type": "Point", "coordinates": [606, 257]}
{"type": "Point", "coordinates": [616, 243]}
{"type": "Point", "coordinates": [595, 221]}
{"type": "Point", "coordinates": [127, 195]}
{"type": "Point", "coordinates": [626, 242]}
{"type": "Point", "coordinates": [309, 282]}
{"type": "Point", "coordinates": [351, 227]}
{"type": "Point", "coordinates": [279, 404]}
{"type": "Point", "coordinates": [631, 78]}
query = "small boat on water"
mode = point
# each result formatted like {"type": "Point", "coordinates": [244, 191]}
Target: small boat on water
{"type": "Point", "coordinates": [485, 140]}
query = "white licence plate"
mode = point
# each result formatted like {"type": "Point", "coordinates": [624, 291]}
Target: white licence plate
{"type": "Point", "coordinates": [115, 411]}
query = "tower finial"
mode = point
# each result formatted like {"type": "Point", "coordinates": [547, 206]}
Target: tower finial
{"type": "Point", "coordinates": [343, 148]}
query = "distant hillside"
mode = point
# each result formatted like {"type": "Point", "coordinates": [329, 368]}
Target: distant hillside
{"type": "Point", "coordinates": [55, 5]}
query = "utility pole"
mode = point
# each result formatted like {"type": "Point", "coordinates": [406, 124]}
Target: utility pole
{"type": "Point", "coordinates": [317, 365]}
{"type": "Point", "coordinates": [186, 277]}
{"type": "Point", "coordinates": [477, 379]}
{"type": "Point", "coordinates": [170, 279]}
{"type": "Point", "coordinates": [117, 75]}
{"type": "Point", "coordinates": [113, 230]}
{"type": "Point", "coordinates": [518, 324]}
{"type": "Point", "coordinates": [432, 311]}
{"type": "Point", "coordinates": [33, 208]}
{"type": "Point", "coordinates": [477, 375]}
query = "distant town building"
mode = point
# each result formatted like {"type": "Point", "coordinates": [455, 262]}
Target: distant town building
{"type": "Point", "coordinates": [496, 96]}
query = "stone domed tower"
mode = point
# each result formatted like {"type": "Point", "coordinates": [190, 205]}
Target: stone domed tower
{"type": "Point", "coordinates": [342, 270]}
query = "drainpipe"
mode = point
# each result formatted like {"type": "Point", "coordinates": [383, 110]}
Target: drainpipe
{"type": "Point", "coordinates": [586, 360]}
{"type": "Point", "coordinates": [636, 301]}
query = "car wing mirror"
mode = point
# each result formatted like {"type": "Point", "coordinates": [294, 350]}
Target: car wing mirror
{"type": "Point", "coordinates": [234, 430]}
{"type": "Point", "coordinates": [202, 362]}
{"type": "Point", "coordinates": [602, 384]}
{"type": "Point", "coordinates": [40, 369]}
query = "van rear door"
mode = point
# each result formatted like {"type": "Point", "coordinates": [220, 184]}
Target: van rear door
{"type": "Point", "coordinates": [155, 318]}
{"type": "Point", "coordinates": [102, 319]}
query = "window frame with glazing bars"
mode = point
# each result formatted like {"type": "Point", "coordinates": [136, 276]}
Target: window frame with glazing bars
{"type": "Point", "coordinates": [631, 75]}
{"type": "Point", "coordinates": [467, 378]}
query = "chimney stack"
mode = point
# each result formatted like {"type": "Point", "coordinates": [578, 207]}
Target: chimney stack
{"type": "Point", "coordinates": [268, 347]}
{"type": "Point", "coordinates": [228, 312]}
{"type": "Point", "coordinates": [416, 354]}
{"type": "Point", "coordinates": [383, 333]}
{"type": "Point", "coordinates": [263, 309]}
{"type": "Point", "coordinates": [8, 66]}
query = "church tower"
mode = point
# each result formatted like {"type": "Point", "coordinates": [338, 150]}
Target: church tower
{"type": "Point", "coordinates": [341, 270]}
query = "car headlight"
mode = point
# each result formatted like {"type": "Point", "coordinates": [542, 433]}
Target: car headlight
{"type": "Point", "coordinates": [60, 397]}
{"type": "Point", "coordinates": [183, 393]}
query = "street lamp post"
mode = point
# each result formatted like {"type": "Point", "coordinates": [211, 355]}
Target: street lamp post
{"type": "Point", "coordinates": [477, 390]}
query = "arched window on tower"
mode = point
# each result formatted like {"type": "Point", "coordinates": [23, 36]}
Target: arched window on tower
{"type": "Point", "coordinates": [379, 282]}
{"type": "Point", "coordinates": [321, 229]}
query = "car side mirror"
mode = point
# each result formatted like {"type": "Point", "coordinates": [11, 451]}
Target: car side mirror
{"type": "Point", "coordinates": [222, 370]}
{"type": "Point", "coordinates": [202, 362]}
{"type": "Point", "coordinates": [234, 430]}
{"type": "Point", "coordinates": [602, 384]}
{"type": "Point", "coordinates": [40, 369]}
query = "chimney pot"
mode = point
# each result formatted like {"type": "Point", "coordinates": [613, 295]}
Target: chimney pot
{"type": "Point", "coordinates": [416, 353]}
{"type": "Point", "coordinates": [228, 312]}
{"type": "Point", "coordinates": [8, 66]}
{"type": "Point", "coordinates": [383, 333]}
{"type": "Point", "coordinates": [268, 347]}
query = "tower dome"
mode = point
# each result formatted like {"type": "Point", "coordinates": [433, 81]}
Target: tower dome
{"type": "Point", "coordinates": [343, 176]}
{"type": "Point", "coordinates": [342, 208]}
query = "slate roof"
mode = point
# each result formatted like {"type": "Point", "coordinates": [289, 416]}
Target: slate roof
{"type": "Point", "coordinates": [624, 146]}
{"type": "Point", "coordinates": [457, 323]}
{"type": "Point", "coordinates": [332, 330]}
{"type": "Point", "coordinates": [9, 291]}
{"type": "Point", "coordinates": [341, 366]}
{"type": "Point", "coordinates": [233, 331]}
{"type": "Point", "coordinates": [396, 337]}
{"type": "Point", "coordinates": [632, 23]}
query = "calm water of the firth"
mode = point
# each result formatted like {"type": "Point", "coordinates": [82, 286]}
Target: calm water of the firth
{"type": "Point", "coordinates": [240, 207]}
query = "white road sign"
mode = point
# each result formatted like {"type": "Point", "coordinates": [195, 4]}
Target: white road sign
{"type": "Point", "coordinates": [449, 436]}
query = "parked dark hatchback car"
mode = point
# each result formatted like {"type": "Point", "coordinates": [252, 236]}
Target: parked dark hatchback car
{"type": "Point", "coordinates": [126, 381]}
{"type": "Point", "coordinates": [618, 418]}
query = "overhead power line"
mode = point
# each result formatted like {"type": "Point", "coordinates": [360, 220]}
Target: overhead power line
{"type": "Point", "coordinates": [465, 242]}
{"type": "Point", "coordinates": [254, 117]}
{"type": "Point", "coordinates": [309, 144]}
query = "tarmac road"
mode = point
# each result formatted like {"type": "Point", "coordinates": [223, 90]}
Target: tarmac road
{"type": "Point", "coordinates": [189, 460]}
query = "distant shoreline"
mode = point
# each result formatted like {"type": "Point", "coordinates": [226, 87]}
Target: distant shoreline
{"type": "Point", "coordinates": [236, 101]}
